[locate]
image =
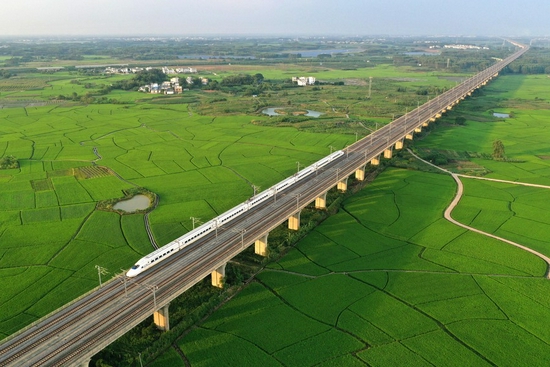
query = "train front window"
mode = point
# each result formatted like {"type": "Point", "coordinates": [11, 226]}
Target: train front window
{"type": "Point", "coordinates": [135, 267]}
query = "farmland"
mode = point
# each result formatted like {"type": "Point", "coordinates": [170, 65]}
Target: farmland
{"type": "Point", "coordinates": [74, 154]}
{"type": "Point", "coordinates": [387, 281]}
{"type": "Point", "coordinates": [49, 222]}
{"type": "Point", "coordinates": [374, 284]}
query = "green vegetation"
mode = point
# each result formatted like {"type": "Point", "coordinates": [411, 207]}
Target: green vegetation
{"type": "Point", "coordinates": [358, 290]}
{"type": "Point", "coordinates": [9, 162]}
{"type": "Point", "coordinates": [48, 215]}
{"type": "Point", "coordinates": [391, 282]}
{"type": "Point", "coordinates": [385, 281]}
{"type": "Point", "coordinates": [498, 149]}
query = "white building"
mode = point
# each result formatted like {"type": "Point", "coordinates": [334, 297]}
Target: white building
{"type": "Point", "coordinates": [303, 81]}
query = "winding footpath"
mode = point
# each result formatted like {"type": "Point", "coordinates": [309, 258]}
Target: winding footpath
{"type": "Point", "coordinates": [458, 196]}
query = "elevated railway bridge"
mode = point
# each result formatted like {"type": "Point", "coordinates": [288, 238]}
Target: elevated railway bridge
{"type": "Point", "coordinates": [73, 334]}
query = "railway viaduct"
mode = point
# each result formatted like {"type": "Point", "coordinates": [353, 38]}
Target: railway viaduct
{"type": "Point", "coordinates": [77, 331]}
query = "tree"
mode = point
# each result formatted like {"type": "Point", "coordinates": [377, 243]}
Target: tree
{"type": "Point", "coordinates": [149, 76]}
{"type": "Point", "coordinates": [9, 162]}
{"type": "Point", "coordinates": [498, 149]}
{"type": "Point", "coordinates": [460, 120]}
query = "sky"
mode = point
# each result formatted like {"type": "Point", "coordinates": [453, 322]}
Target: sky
{"type": "Point", "coordinates": [274, 17]}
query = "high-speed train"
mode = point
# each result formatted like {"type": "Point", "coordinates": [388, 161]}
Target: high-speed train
{"type": "Point", "coordinates": [172, 247]}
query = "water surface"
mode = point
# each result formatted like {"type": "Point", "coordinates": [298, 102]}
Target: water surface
{"type": "Point", "coordinates": [138, 202]}
{"type": "Point", "coordinates": [271, 112]}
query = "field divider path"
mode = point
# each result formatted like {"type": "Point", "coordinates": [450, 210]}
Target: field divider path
{"type": "Point", "coordinates": [458, 196]}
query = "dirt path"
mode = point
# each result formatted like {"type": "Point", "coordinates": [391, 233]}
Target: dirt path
{"type": "Point", "coordinates": [458, 196]}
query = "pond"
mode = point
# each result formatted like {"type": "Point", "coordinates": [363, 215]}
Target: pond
{"type": "Point", "coordinates": [138, 202]}
{"type": "Point", "coordinates": [271, 112]}
{"type": "Point", "coordinates": [501, 115]}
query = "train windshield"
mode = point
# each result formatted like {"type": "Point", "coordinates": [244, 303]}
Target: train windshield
{"type": "Point", "coordinates": [135, 267]}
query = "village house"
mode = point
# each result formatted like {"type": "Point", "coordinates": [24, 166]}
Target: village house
{"type": "Point", "coordinates": [170, 87]}
{"type": "Point", "coordinates": [303, 81]}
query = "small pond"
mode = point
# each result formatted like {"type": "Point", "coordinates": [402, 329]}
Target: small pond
{"type": "Point", "coordinates": [271, 112]}
{"type": "Point", "coordinates": [501, 115]}
{"type": "Point", "coordinates": [138, 202]}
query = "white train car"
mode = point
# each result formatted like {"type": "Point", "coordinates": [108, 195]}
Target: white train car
{"type": "Point", "coordinates": [169, 249]}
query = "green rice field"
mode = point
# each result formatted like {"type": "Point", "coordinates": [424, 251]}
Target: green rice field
{"type": "Point", "coordinates": [387, 281]}
{"type": "Point", "coordinates": [51, 235]}
{"type": "Point", "coordinates": [73, 155]}
{"type": "Point", "coordinates": [359, 292]}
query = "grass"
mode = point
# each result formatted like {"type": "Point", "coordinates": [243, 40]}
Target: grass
{"type": "Point", "coordinates": [426, 292]}
{"type": "Point", "coordinates": [414, 311]}
{"type": "Point", "coordinates": [192, 162]}
{"type": "Point", "coordinates": [506, 210]}
{"type": "Point", "coordinates": [199, 166]}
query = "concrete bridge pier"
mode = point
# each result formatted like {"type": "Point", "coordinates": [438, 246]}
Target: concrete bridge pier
{"type": "Point", "coordinates": [399, 144]}
{"type": "Point", "coordinates": [418, 129]}
{"type": "Point", "coordinates": [85, 364]}
{"type": "Point", "coordinates": [162, 318]}
{"type": "Point", "coordinates": [425, 123]}
{"type": "Point", "coordinates": [294, 221]}
{"type": "Point", "coordinates": [360, 173]}
{"type": "Point", "coordinates": [260, 246]}
{"type": "Point", "coordinates": [409, 136]}
{"type": "Point", "coordinates": [388, 153]}
{"type": "Point", "coordinates": [321, 201]}
{"type": "Point", "coordinates": [375, 161]}
{"type": "Point", "coordinates": [342, 185]}
{"type": "Point", "coordinates": [218, 275]}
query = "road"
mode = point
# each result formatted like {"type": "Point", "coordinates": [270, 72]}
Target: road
{"type": "Point", "coordinates": [73, 334]}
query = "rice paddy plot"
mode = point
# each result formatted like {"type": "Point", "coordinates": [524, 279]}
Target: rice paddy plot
{"type": "Point", "coordinates": [502, 342]}
{"type": "Point", "coordinates": [523, 311]}
{"type": "Point", "coordinates": [133, 229]}
{"type": "Point", "coordinates": [103, 188]}
{"type": "Point", "coordinates": [103, 227]}
{"type": "Point", "coordinates": [518, 261]}
{"type": "Point", "coordinates": [506, 210]}
{"type": "Point", "coordinates": [234, 351]}
{"type": "Point", "coordinates": [20, 199]}
{"type": "Point", "coordinates": [69, 191]}
{"type": "Point", "coordinates": [338, 292]}
{"type": "Point", "coordinates": [15, 310]}
{"type": "Point", "coordinates": [440, 349]}
{"type": "Point", "coordinates": [51, 214]}
{"type": "Point", "coordinates": [392, 355]}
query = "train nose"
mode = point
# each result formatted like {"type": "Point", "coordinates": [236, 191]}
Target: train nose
{"type": "Point", "coordinates": [131, 273]}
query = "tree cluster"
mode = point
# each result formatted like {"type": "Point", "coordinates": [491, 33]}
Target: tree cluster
{"type": "Point", "coordinates": [498, 150]}
{"type": "Point", "coordinates": [9, 162]}
{"type": "Point", "coordinates": [242, 79]}
{"type": "Point", "coordinates": [150, 76]}
{"type": "Point", "coordinates": [5, 74]}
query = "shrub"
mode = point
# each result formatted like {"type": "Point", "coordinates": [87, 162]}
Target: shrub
{"type": "Point", "coordinates": [9, 162]}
